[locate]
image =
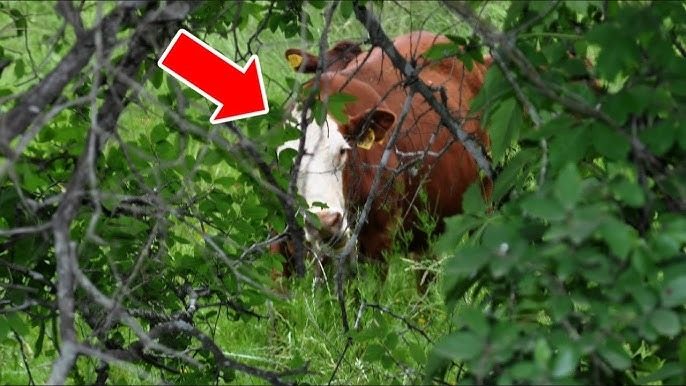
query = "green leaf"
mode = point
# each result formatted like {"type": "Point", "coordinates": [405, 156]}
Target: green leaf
{"type": "Point", "coordinates": [336, 106]}
{"type": "Point", "coordinates": [126, 226]}
{"type": "Point", "coordinates": [319, 112]}
{"type": "Point", "coordinates": [504, 126]}
{"type": "Point", "coordinates": [374, 352]}
{"type": "Point", "coordinates": [455, 229]}
{"type": "Point", "coordinates": [38, 347]}
{"type": "Point", "coordinates": [466, 262]}
{"type": "Point", "coordinates": [157, 77]}
{"type": "Point", "coordinates": [629, 192]}
{"type": "Point", "coordinates": [619, 237]}
{"type": "Point", "coordinates": [619, 53]}
{"type": "Point", "coordinates": [473, 318]}
{"type": "Point", "coordinates": [543, 208]}
{"type": "Point", "coordinates": [19, 68]}
{"type": "Point", "coordinates": [567, 187]}
{"type": "Point", "coordinates": [346, 9]}
{"type": "Point", "coordinates": [542, 353]}
{"type": "Point", "coordinates": [682, 349]}
{"type": "Point", "coordinates": [681, 135]}
{"type": "Point", "coordinates": [158, 133]}
{"type": "Point", "coordinates": [252, 209]}
{"type": "Point", "coordinates": [609, 142]}
{"type": "Point", "coordinates": [645, 298]}
{"type": "Point", "coordinates": [319, 4]}
{"type": "Point", "coordinates": [613, 353]}
{"type": "Point", "coordinates": [417, 352]}
{"type": "Point", "coordinates": [665, 322]}
{"type": "Point", "coordinates": [17, 324]}
{"type": "Point", "coordinates": [560, 307]}
{"type": "Point", "coordinates": [442, 50]}
{"type": "Point", "coordinates": [523, 370]}
{"type": "Point", "coordinates": [568, 146]}
{"type": "Point", "coordinates": [580, 6]}
{"type": "Point", "coordinates": [660, 137]}
{"type": "Point", "coordinates": [565, 362]}
{"type": "Point", "coordinates": [461, 346]}
{"type": "Point", "coordinates": [508, 177]}
{"type": "Point", "coordinates": [668, 370]}
{"type": "Point", "coordinates": [19, 21]}
{"type": "Point", "coordinates": [472, 200]}
{"type": "Point", "coordinates": [4, 327]}
{"type": "Point", "coordinates": [495, 86]}
{"type": "Point", "coordinates": [674, 292]}
{"type": "Point", "coordinates": [436, 366]}
{"type": "Point", "coordinates": [461, 271]}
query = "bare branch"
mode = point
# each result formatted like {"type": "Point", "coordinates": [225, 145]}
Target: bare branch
{"type": "Point", "coordinates": [20, 342]}
{"type": "Point", "coordinates": [221, 360]}
{"type": "Point", "coordinates": [106, 120]}
{"type": "Point", "coordinates": [26, 230]}
{"type": "Point", "coordinates": [46, 92]}
{"type": "Point", "coordinates": [297, 234]}
{"type": "Point", "coordinates": [71, 15]}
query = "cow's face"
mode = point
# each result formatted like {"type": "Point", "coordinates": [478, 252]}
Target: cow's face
{"type": "Point", "coordinates": [320, 178]}
{"type": "Point", "coordinates": [320, 175]}
{"type": "Point", "coordinates": [328, 146]}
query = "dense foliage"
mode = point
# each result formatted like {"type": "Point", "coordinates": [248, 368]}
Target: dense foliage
{"type": "Point", "coordinates": [580, 255]}
{"type": "Point", "coordinates": [573, 271]}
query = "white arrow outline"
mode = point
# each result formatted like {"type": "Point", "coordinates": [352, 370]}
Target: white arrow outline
{"type": "Point", "coordinates": [229, 62]}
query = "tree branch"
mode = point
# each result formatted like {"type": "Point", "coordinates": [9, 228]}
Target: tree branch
{"type": "Point", "coordinates": [379, 38]}
{"type": "Point", "coordinates": [106, 121]}
{"type": "Point", "coordinates": [46, 92]}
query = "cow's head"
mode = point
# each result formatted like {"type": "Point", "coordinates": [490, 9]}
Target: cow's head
{"type": "Point", "coordinates": [331, 146]}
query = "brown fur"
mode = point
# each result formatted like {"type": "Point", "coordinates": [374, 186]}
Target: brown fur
{"type": "Point", "coordinates": [372, 79]}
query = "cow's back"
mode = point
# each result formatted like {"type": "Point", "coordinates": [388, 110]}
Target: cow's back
{"type": "Point", "coordinates": [446, 178]}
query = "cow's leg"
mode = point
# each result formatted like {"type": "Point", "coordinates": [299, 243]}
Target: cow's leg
{"type": "Point", "coordinates": [373, 244]}
{"type": "Point", "coordinates": [420, 253]}
{"type": "Point", "coordinates": [279, 278]}
{"type": "Point", "coordinates": [423, 277]}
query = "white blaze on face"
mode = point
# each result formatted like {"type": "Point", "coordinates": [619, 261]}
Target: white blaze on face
{"type": "Point", "coordinates": [320, 177]}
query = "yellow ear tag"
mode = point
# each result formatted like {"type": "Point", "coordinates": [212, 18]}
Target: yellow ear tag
{"type": "Point", "coordinates": [368, 140]}
{"type": "Point", "coordinates": [294, 60]}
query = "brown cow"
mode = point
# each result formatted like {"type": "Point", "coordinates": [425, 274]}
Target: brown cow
{"type": "Point", "coordinates": [341, 158]}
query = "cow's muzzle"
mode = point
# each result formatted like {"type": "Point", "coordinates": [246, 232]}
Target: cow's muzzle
{"type": "Point", "coordinates": [331, 228]}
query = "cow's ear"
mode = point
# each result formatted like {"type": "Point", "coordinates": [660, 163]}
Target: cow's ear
{"type": "Point", "coordinates": [341, 54]}
{"type": "Point", "coordinates": [301, 61]}
{"type": "Point", "coordinates": [371, 127]}
{"type": "Point", "coordinates": [336, 58]}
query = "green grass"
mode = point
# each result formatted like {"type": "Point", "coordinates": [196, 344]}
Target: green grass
{"type": "Point", "coordinates": [307, 326]}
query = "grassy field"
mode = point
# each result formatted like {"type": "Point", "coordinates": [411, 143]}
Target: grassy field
{"type": "Point", "coordinates": [306, 327]}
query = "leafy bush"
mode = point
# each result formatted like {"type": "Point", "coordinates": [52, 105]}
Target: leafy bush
{"type": "Point", "coordinates": [580, 255]}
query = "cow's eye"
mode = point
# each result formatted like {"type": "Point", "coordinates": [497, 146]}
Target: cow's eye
{"type": "Point", "coordinates": [342, 156]}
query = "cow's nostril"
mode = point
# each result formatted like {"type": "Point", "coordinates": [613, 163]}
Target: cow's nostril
{"type": "Point", "coordinates": [336, 221]}
{"type": "Point", "coordinates": [330, 221]}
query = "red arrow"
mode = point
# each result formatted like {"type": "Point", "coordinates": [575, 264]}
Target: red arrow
{"type": "Point", "coordinates": [239, 92]}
